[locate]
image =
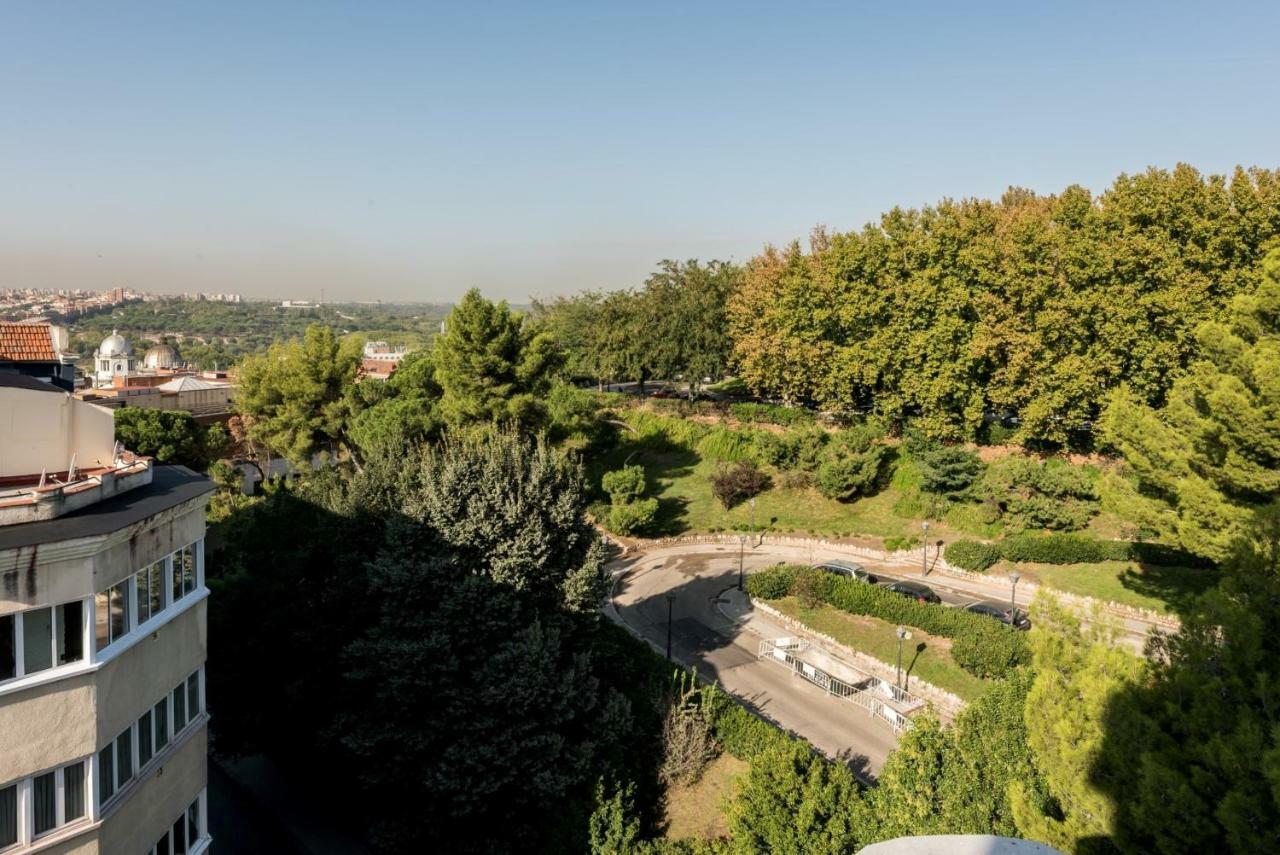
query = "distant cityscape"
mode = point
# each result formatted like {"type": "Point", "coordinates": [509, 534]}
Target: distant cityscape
{"type": "Point", "coordinates": [39, 304]}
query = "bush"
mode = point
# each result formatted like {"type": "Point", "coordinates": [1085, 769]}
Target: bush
{"type": "Point", "coordinates": [770, 414]}
{"type": "Point", "coordinates": [738, 482]}
{"type": "Point", "coordinates": [898, 544]}
{"type": "Point", "coordinates": [633, 516]}
{"type": "Point", "coordinates": [1030, 494]}
{"type": "Point", "coordinates": [812, 587]}
{"type": "Point", "coordinates": [948, 470]}
{"type": "Point", "coordinates": [847, 475]}
{"type": "Point", "coordinates": [773, 583]}
{"type": "Point", "coordinates": [989, 649]}
{"type": "Point", "coordinates": [972, 555]}
{"type": "Point", "coordinates": [1080, 549]}
{"type": "Point", "coordinates": [793, 450]}
{"type": "Point", "coordinates": [624, 485]}
{"type": "Point", "coordinates": [740, 732]}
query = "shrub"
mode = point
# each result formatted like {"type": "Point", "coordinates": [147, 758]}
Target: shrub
{"type": "Point", "coordinates": [793, 450]}
{"type": "Point", "coordinates": [773, 583]}
{"type": "Point", "coordinates": [897, 544]}
{"type": "Point", "coordinates": [948, 470]}
{"type": "Point", "coordinates": [812, 587]}
{"type": "Point", "coordinates": [847, 475]}
{"type": "Point", "coordinates": [624, 485]}
{"type": "Point", "coordinates": [770, 414]}
{"type": "Point", "coordinates": [795, 479]}
{"type": "Point", "coordinates": [736, 483]}
{"type": "Point", "coordinates": [740, 732]}
{"type": "Point", "coordinates": [989, 649]}
{"type": "Point", "coordinates": [1030, 494]}
{"type": "Point", "coordinates": [633, 516]}
{"type": "Point", "coordinates": [972, 555]}
{"type": "Point", "coordinates": [1080, 549]}
{"type": "Point", "coordinates": [688, 743]}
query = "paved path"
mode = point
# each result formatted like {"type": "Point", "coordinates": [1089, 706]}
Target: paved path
{"type": "Point", "coordinates": [726, 651]}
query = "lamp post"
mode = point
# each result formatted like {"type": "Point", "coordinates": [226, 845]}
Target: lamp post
{"type": "Point", "coordinates": [753, 518]}
{"type": "Point", "coordinates": [671, 601]}
{"type": "Point", "coordinates": [1014, 576]}
{"type": "Point", "coordinates": [924, 552]}
{"type": "Point", "coordinates": [742, 546]}
{"type": "Point", "coordinates": [903, 635]}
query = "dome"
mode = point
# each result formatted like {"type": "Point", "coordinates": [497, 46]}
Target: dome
{"type": "Point", "coordinates": [161, 356]}
{"type": "Point", "coordinates": [114, 345]}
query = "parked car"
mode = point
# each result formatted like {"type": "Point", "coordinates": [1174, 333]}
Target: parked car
{"type": "Point", "coordinates": [914, 591]}
{"type": "Point", "coordinates": [847, 569]}
{"type": "Point", "coordinates": [1000, 613]}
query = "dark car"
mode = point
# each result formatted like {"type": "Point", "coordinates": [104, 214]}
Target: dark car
{"type": "Point", "coordinates": [847, 569]}
{"type": "Point", "coordinates": [1000, 613]}
{"type": "Point", "coordinates": [915, 591]}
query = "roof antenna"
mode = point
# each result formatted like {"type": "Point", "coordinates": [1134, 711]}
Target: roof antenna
{"type": "Point", "coordinates": [71, 470]}
{"type": "Point", "coordinates": [40, 486]}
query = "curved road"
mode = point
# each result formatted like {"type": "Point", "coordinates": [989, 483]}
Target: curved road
{"type": "Point", "coordinates": [703, 637]}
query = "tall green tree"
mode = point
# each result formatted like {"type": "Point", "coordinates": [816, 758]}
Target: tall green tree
{"type": "Point", "coordinates": [170, 436]}
{"type": "Point", "coordinates": [683, 317]}
{"type": "Point", "coordinates": [490, 365]}
{"type": "Point", "coordinates": [300, 394]}
{"type": "Point", "coordinates": [1208, 462]}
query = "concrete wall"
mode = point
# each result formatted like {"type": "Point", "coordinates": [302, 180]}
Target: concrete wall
{"type": "Point", "coordinates": [43, 429]}
{"type": "Point", "coordinates": [71, 570]}
{"type": "Point", "coordinates": [46, 726]}
{"type": "Point", "coordinates": [132, 682]}
{"type": "Point", "coordinates": [137, 823]}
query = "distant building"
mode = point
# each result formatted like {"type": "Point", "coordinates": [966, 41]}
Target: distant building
{"type": "Point", "coordinates": [39, 351]}
{"type": "Point", "coordinates": [381, 359]}
{"type": "Point", "coordinates": [114, 358]}
{"type": "Point", "coordinates": [103, 616]}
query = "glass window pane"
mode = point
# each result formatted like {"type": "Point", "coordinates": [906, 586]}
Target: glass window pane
{"type": "Point", "coordinates": [106, 774]}
{"type": "Point", "coordinates": [37, 640]}
{"type": "Point", "coordinates": [193, 694]}
{"type": "Point", "coordinates": [162, 848]}
{"type": "Point", "coordinates": [9, 815]}
{"type": "Point", "coordinates": [124, 757]}
{"type": "Point", "coordinates": [102, 619]}
{"type": "Point", "coordinates": [119, 611]}
{"type": "Point", "coordinates": [144, 596]}
{"type": "Point", "coordinates": [156, 587]}
{"type": "Point", "coordinates": [162, 723]}
{"type": "Point", "coordinates": [44, 794]}
{"type": "Point", "coordinates": [8, 648]}
{"type": "Point", "coordinates": [179, 708]}
{"type": "Point", "coordinates": [180, 837]}
{"type": "Point", "coordinates": [193, 821]}
{"type": "Point", "coordinates": [177, 576]}
{"type": "Point", "coordinates": [188, 569]}
{"type": "Point", "coordinates": [70, 632]}
{"type": "Point", "coordinates": [73, 791]}
{"type": "Point", "coordinates": [144, 738]}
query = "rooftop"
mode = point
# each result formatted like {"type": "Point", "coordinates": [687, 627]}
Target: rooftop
{"type": "Point", "coordinates": [170, 486]}
{"type": "Point", "coordinates": [27, 343]}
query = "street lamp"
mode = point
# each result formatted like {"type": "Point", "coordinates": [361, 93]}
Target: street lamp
{"type": "Point", "coordinates": [742, 547]}
{"type": "Point", "coordinates": [753, 518]}
{"type": "Point", "coordinates": [924, 553]}
{"type": "Point", "coordinates": [671, 600]}
{"type": "Point", "coordinates": [903, 635]}
{"type": "Point", "coordinates": [1014, 576]}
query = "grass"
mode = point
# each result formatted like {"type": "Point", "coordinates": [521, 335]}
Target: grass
{"type": "Point", "coordinates": [878, 638]}
{"type": "Point", "coordinates": [1164, 589]}
{"type": "Point", "coordinates": [697, 810]}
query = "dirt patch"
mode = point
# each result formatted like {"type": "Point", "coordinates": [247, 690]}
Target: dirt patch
{"type": "Point", "coordinates": [697, 810]}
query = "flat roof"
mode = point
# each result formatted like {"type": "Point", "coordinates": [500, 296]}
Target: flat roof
{"type": "Point", "coordinates": [170, 486]}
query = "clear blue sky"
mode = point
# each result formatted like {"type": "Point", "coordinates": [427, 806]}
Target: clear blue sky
{"type": "Point", "coordinates": [407, 150]}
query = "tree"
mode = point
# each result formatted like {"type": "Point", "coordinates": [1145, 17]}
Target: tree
{"type": "Point", "coordinates": [948, 470]}
{"type": "Point", "coordinates": [683, 307]}
{"type": "Point", "coordinates": [491, 366]}
{"type": "Point", "coordinates": [791, 801]}
{"type": "Point", "coordinates": [851, 465]}
{"type": "Point", "coordinates": [402, 411]}
{"type": "Point", "coordinates": [300, 395]}
{"type": "Point", "coordinates": [170, 436]}
{"type": "Point", "coordinates": [1079, 673]}
{"type": "Point", "coordinates": [1209, 461]}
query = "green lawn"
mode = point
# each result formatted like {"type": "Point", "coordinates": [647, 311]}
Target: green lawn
{"type": "Point", "coordinates": [697, 810]}
{"type": "Point", "coordinates": [878, 638]}
{"type": "Point", "coordinates": [1165, 589]}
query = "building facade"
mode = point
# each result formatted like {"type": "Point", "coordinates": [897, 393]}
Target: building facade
{"type": "Point", "coordinates": [103, 627]}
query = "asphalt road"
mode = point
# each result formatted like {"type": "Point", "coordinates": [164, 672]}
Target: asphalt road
{"type": "Point", "coordinates": [702, 637]}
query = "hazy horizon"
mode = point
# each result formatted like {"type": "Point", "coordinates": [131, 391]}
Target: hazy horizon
{"type": "Point", "coordinates": [408, 152]}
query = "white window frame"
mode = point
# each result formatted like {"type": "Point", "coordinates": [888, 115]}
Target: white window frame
{"type": "Point", "coordinates": [21, 678]}
{"type": "Point", "coordinates": [27, 803]}
{"type": "Point", "coordinates": [200, 844]}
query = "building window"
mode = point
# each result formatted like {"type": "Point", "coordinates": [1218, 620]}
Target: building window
{"type": "Point", "coordinates": [146, 735]}
{"type": "Point", "coordinates": [162, 723]}
{"type": "Point", "coordinates": [111, 614]}
{"type": "Point", "coordinates": [124, 757]}
{"type": "Point", "coordinates": [44, 792]}
{"type": "Point", "coordinates": [73, 791]}
{"type": "Point", "coordinates": [179, 708]}
{"type": "Point", "coordinates": [193, 695]}
{"type": "Point", "coordinates": [106, 774]}
{"type": "Point", "coordinates": [8, 815]}
{"type": "Point", "coordinates": [184, 572]}
{"type": "Point", "coordinates": [39, 639]}
{"type": "Point", "coordinates": [187, 833]}
{"type": "Point", "coordinates": [115, 766]}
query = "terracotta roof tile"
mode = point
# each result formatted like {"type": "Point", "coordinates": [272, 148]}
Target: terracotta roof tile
{"type": "Point", "coordinates": [26, 343]}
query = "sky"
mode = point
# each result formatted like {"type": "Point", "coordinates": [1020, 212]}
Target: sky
{"type": "Point", "coordinates": [409, 151]}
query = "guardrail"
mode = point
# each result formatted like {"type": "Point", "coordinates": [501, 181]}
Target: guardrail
{"type": "Point", "coordinates": [783, 654]}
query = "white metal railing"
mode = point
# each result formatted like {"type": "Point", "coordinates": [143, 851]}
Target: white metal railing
{"type": "Point", "coordinates": [833, 685]}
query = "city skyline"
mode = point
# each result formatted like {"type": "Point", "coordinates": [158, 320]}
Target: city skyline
{"type": "Point", "coordinates": [411, 153]}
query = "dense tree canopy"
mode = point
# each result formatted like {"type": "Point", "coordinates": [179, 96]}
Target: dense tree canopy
{"type": "Point", "coordinates": [170, 436]}
{"type": "Point", "coordinates": [1038, 305]}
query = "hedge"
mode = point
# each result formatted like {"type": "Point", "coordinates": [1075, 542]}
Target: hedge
{"type": "Point", "coordinates": [770, 414]}
{"type": "Point", "coordinates": [972, 555]}
{"type": "Point", "coordinates": [1065, 549]}
{"type": "Point", "coordinates": [980, 645]}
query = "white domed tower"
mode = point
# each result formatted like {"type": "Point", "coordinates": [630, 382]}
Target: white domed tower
{"type": "Point", "coordinates": [162, 357]}
{"type": "Point", "coordinates": [113, 359]}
